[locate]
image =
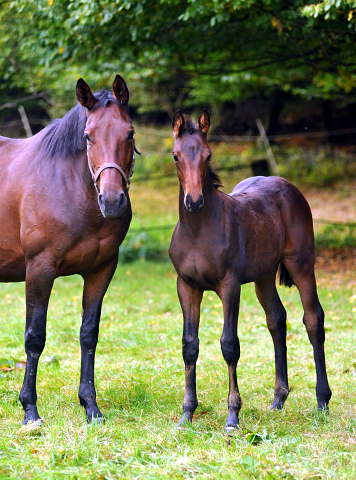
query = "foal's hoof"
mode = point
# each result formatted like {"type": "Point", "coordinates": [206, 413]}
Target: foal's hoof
{"type": "Point", "coordinates": [97, 419]}
{"type": "Point", "coordinates": [230, 429]}
{"type": "Point", "coordinates": [323, 407]}
{"type": "Point", "coordinates": [185, 421]}
{"type": "Point", "coordinates": [279, 398]}
{"type": "Point", "coordinates": [277, 404]}
{"type": "Point", "coordinates": [31, 427]}
{"type": "Point", "coordinates": [94, 415]}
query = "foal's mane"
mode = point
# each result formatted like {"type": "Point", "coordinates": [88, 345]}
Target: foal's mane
{"type": "Point", "coordinates": [191, 128]}
{"type": "Point", "coordinates": [64, 137]}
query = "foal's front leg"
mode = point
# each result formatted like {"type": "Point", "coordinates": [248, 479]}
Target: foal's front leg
{"type": "Point", "coordinates": [39, 282]}
{"type": "Point", "coordinates": [190, 299]}
{"type": "Point", "coordinates": [95, 286]}
{"type": "Point", "coordinates": [229, 292]}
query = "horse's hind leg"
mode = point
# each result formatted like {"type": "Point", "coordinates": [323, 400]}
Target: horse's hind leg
{"type": "Point", "coordinates": [95, 286]}
{"type": "Point", "coordinates": [276, 322]}
{"type": "Point", "coordinates": [313, 320]}
{"type": "Point", "coordinates": [39, 282]}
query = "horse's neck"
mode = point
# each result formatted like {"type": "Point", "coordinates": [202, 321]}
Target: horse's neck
{"type": "Point", "coordinates": [211, 212]}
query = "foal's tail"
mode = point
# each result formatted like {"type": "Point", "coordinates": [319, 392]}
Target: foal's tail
{"type": "Point", "coordinates": [284, 276]}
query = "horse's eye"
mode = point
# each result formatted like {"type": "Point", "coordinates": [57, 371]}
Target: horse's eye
{"type": "Point", "coordinates": [175, 158]}
{"type": "Point", "coordinates": [87, 138]}
{"type": "Point", "coordinates": [130, 136]}
{"type": "Point", "coordinates": [209, 158]}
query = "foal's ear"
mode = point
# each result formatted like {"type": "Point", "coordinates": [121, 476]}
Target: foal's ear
{"type": "Point", "coordinates": [84, 95]}
{"type": "Point", "coordinates": [204, 121]}
{"type": "Point", "coordinates": [178, 124]}
{"type": "Point", "coordinates": [120, 91]}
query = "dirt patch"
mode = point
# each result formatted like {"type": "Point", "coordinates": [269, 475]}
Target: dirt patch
{"type": "Point", "coordinates": [341, 260]}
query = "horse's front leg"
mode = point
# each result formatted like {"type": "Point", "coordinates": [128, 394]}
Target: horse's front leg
{"type": "Point", "coordinates": [95, 286]}
{"type": "Point", "coordinates": [190, 299]}
{"type": "Point", "coordinates": [229, 292]}
{"type": "Point", "coordinates": [39, 282]}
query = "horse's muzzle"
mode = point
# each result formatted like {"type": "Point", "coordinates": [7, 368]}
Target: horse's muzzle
{"type": "Point", "coordinates": [112, 208]}
{"type": "Point", "coordinates": [193, 207]}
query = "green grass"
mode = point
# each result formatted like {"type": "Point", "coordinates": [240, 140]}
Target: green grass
{"type": "Point", "coordinates": [140, 381]}
{"type": "Point", "coordinates": [140, 377]}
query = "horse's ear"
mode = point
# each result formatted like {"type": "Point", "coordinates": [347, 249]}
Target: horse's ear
{"type": "Point", "coordinates": [204, 121]}
{"type": "Point", "coordinates": [84, 95]}
{"type": "Point", "coordinates": [178, 124]}
{"type": "Point", "coordinates": [120, 90]}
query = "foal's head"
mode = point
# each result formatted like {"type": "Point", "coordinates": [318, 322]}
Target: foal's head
{"type": "Point", "coordinates": [110, 145]}
{"type": "Point", "coordinates": [192, 154]}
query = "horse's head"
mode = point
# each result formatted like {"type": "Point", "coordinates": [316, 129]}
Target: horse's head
{"type": "Point", "coordinates": [110, 145]}
{"type": "Point", "coordinates": [191, 153]}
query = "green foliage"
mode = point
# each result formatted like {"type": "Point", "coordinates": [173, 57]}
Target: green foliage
{"type": "Point", "coordinates": [146, 245]}
{"type": "Point", "coordinates": [336, 236]}
{"type": "Point", "coordinates": [178, 53]}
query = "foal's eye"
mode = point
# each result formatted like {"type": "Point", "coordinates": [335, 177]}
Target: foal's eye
{"type": "Point", "coordinates": [175, 158]}
{"type": "Point", "coordinates": [208, 158]}
{"type": "Point", "coordinates": [87, 138]}
{"type": "Point", "coordinates": [130, 136]}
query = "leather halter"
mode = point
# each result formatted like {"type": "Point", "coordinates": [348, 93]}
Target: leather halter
{"type": "Point", "coordinates": [96, 175]}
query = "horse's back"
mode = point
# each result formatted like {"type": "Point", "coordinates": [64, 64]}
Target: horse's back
{"type": "Point", "coordinates": [245, 185]}
{"type": "Point", "coordinates": [273, 189]}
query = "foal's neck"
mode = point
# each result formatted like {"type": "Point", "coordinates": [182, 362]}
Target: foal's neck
{"type": "Point", "coordinates": [211, 210]}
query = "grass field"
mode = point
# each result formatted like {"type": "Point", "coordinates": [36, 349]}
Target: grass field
{"type": "Point", "coordinates": [140, 380]}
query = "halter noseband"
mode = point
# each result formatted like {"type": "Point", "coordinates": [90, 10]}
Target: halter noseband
{"type": "Point", "coordinates": [96, 175]}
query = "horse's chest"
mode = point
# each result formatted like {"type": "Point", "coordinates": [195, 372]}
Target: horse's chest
{"type": "Point", "coordinates": [196, 267]}
{"type": "Point", "coordinates": [88, 254]}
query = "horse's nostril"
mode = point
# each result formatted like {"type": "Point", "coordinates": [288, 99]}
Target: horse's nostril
{"type": "Point", "coordinates": [194, 206]}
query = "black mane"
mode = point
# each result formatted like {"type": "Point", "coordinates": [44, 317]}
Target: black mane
{"type": "Point", "coordinates": [64, 137]}
{"type": "Point", "coordinates": [214, 177]}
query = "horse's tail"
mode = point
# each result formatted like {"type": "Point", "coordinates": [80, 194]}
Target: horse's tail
{"type": "Point", "coordinates": [284, 276]}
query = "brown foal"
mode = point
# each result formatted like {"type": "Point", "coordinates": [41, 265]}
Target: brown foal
{"type": "Point", "coordinates": [223, 241]}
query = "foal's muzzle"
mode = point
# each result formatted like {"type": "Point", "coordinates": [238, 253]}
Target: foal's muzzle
{"type": "Point", "coordinates": [193, 207]}
{"type": "Point", "coordinates": [111, 206]}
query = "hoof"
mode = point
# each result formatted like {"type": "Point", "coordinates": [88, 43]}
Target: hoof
{"type": "Point", "coordinates": [31, 427]}
{"type": "Point", "coordinates": [230, 429]}
{"type": "Point", "coordinates": [323, 407]}
{"type": "Point", "coordinates": [31, 415]}
{"type": "Point", "coordinates": [276, 405]}
{"type": "Point", "coordinates": [185, 420]}
{"type": "Point", "coordinates": [232, 420]}
{"type": "Point", "coordinates": [280, 397]}
{"type": "Point", "coordinates": [96, 419]}
{"type": "Point", "coordinates": [323, 401]}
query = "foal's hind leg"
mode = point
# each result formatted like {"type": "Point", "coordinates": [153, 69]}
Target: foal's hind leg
{"type": "Point", "coordinates": [39, 282]}
{"type": "Point", "coordinates": [313, 320]}
{"type": "Point", "coordinates": [276, 322]}
{"type": "Point", "coordinates": [95, 286]}
{"type": "Point", "coordinates": [190, 299]}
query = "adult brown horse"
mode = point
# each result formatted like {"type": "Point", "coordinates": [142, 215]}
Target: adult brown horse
{"type": "Point", "coordinates": [65, 210]}
{"type": "Point", "coordinates": [223, 241]}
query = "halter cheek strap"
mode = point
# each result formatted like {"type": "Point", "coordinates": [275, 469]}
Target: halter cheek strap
{"type": "Point", "coordinates": [96, 175]}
